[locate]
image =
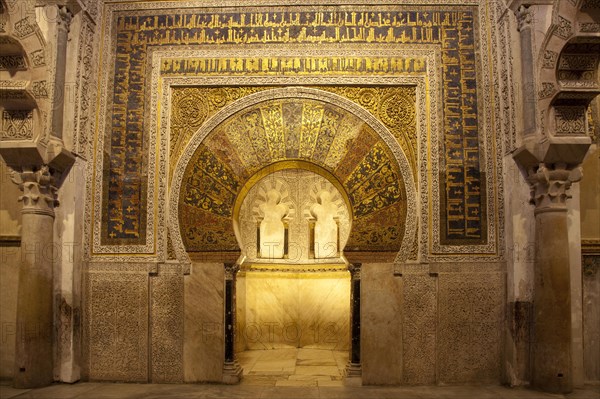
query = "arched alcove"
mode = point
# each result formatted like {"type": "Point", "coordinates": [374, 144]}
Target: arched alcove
{"type": "Point", "coordinates": [292, 124]}
{"type": "Point", "coordinates": [313, 131]}
{"type": "Point", "coordinates": [303, 191]}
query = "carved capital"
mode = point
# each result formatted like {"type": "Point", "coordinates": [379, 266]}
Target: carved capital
{"type": "Point", "coordinates": [230, 270]}
{"type": "Point", "coordinates": [354, 269]}
{"type": "Point", "coordinates": [549, 185]}
{"type": "Point", "coordinates": [64, 18]}
{"type": "Point", "coordinates": [39, 191]}
{"type": "Point", "coordinates": [524, 17]}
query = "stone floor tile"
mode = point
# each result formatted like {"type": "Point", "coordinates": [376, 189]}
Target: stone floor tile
{"type": "Point", "coordinates": [290, 393]}
{"type": "Point", "coordinates": [296, 383]}
{"type": "Point", "coordinates": [261, 380]}
{"type": "Point", "coordinates": [60, 391]}
{"type": "Point", "coordinates": [304, 353]}
{"type": "Point", "coordinates": [317, 370]}
{"type": "Point", "coordinates": [301, 377]}
{"type": "Point", "coordinates": [285, 389]}
{"type": "Point", "coordinates": [116, 391]}
{"type": "Point", "coordinates": [315, 362]}
{"type": "Point", "coordinates": [330, 383]}
{"type": "Point", "coordinates": [7, 392]}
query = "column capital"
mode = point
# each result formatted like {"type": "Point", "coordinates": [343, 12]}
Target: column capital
{"type": "Point", "coordinates": [524, 16]}
{"type": "Point", "coordinates": [354, 269]}
{"type": "Point", "coordinates": [39, 191]}
{"type": "Point", "coordinates": [64, 17]}
{"type": "Point", "coordinates": [230, 270]}
{"type": "Point", "coordinates": [549, 185]}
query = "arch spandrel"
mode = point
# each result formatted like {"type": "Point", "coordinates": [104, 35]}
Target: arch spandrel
{"type": "Point", "coordinates": [311, 129]}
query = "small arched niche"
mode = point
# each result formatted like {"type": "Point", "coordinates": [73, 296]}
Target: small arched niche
{"type": "Point", "coordinates": [293, 213]}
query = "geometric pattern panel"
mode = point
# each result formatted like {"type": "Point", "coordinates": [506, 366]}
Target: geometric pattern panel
{"type": "Point", "coordinates": [419, 328]}
{"type": "Point", "coordinates": [452, 28]}
{"type": "Point", "coordinates": [292, 129]}
{"type": "Point", "coordinates": [117, 326]}
{"type": "Point", "coordinates": [470, 320]}
{"type": "Point", "coordinates": [166, 326]}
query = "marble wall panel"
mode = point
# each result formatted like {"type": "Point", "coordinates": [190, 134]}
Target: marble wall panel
{"type": "Point", "coordinates": [116, 325]}
{"type": "Point", "coordinates": [203, 340]}
{"type": "Point", "coordinates": [166, 325]}
{"type": "Point", "coordinates": [295, 310]}
{"type": "Point", "coordinates": [381, 325]}
{"type": "Point", "coordinates": [470, 324]}
{"type": "Point", "coordinates": [325, 310]}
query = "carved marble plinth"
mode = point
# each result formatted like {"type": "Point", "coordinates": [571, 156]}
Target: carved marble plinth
{"type": "Point", "coordinates": [353, 370]}
{"type": "Point", "coordinates": [232, 372]}
{"type": "Point", "coordinates": [353, 374]}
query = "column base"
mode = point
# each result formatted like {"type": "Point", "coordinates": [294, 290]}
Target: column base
{"type": "Point", "coordinates": [353, 374]}
{"type": "Point", "coordinates": [232, 373]}
{"type": "Point", "coordinates": [353, 370]}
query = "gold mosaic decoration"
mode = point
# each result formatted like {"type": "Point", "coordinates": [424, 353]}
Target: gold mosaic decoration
{"type": "Point", "coordinates": [136, 33]}
{"type": "Point", "coordinates": [394, 106]}
{"type": "Point", "coordinates": [289, 129]}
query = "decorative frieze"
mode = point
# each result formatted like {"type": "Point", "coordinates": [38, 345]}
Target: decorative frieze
{"type": "Point", "coordinates": [564, 30]}
{"type": "Point", "coordinates": [547, 90]}
{"type": "Point", "coordinates": [578, 68]}
{"type": "Point", "coordinates": [578, 62]}
{"type": "Point", "coordinates": [590, 5]}
{"type": "Point", "coordinates": [39, 89]}
{"type": "Point", "coordinates": [570, 120]}
{"type": "Point", "coordinates": [17, 125]}
{"type": "Point", "coordinates": [12, 62]}
{"type": "Point", "coordinates": [83, 90]}
{"type": "Point", "coordinates": [38, 58]}
{"type": "Point", "coordinates": [23, 28]}
{"type": "Point", "coordinates": [589, 27]}
{"type": "Point", "coordinates": [550, 58]}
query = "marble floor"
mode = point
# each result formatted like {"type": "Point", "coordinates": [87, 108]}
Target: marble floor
{"type": "Point", "coordinates": [289, 373]}
{"type": "Point", "coordinates": [298, 367]}
{"type": "Point", "coordinates": [92, 390]}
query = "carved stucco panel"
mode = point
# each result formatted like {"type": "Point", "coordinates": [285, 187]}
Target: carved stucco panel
{"type": "Point", "coordinates": [116, 325]}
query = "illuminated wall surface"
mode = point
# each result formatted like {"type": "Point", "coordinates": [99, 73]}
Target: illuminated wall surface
{"type": "Point", "coordinates": [386, 104]}
{"type": "Point", "coordinates": [201, 128]}
{"type": "Point", "coordinates": [305, 310]}
{"type": "Point", "coordinates": [280, 130]}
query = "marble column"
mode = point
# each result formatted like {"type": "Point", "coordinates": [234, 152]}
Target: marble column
{"type": "Point", "coordinates": [354, 368]}
{"type": "Point", "coordinates": [551, 361]}
{"type": "Point", "coordinates": [232, 371]}
{"type": "Point", "coordinates": [33, 347]}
